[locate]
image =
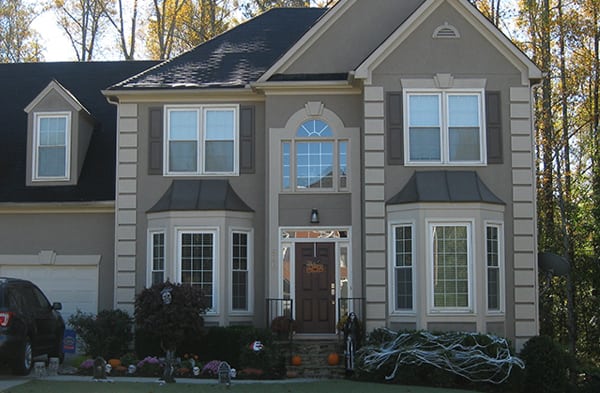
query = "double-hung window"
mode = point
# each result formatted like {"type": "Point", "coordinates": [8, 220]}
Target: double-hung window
{"type": "Point", "coordinates": [201, 140]}
{"type": "Point", "coordinates": [315, 160]}
{"type": "Point", "coordinates": [450, 255]}
{"type": "Point", "coordinates": [444, 127]}
{"type": "Point", "coordinates": [493, 251]}
{"type": "Point", "coordinates": [240, 271]}
{"type": "Point", "coordinates": [157, 257]}
{"type": "Point", "coordinates": [403, 258]}
{"type": "Point", "coordinates": [52, 146]}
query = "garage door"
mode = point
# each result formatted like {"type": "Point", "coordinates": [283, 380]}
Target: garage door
{"type": "Point", "coordinates": [76, 287]}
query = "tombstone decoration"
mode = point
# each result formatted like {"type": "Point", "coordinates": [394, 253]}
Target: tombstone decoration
{"type": "Point", "coordinates": [53, 364]}
{"type": "Point", "coordinates": [100, 370]}
{"type": "Point", "coordinates": [224, 373]}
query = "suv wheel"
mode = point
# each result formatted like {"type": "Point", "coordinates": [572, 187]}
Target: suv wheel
{"type": "Point", "coordinates": [24, 360]}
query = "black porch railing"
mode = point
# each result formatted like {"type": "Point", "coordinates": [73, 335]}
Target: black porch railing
{"type": "Point", "coordinates": [280, 317]}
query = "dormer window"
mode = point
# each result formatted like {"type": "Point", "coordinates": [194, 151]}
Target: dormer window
{"type": "Point", "coordinates": [59, 130]}
{"type": "Point", "coordinates": [51, 148]}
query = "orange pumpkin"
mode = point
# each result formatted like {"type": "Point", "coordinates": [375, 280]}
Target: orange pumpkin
{"type": "Point", "coordinates": [296, 360]}
{"type": "Point", "coordinates": [114, 362]}
{"type": "Point", "coordinates": [333, 359]}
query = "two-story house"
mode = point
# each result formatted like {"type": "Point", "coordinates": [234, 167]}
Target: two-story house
{"type": "Point", "coordinates": [381, 150]}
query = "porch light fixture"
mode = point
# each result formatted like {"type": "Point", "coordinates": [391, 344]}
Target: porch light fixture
{"type": "Point", "coordinates": [314, 216]}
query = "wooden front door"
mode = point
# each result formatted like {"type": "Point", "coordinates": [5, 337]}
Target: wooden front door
{"type": "Point", "coordinates": [315, 293]}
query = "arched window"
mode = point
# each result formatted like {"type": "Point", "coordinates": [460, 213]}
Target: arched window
{"type": "Point", "coordinates": [315, 159]}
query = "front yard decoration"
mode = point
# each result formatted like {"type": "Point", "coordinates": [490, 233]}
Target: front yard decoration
{"type": "Point", "coordinates": [333, 359]}
{"type": "Point", "coordinates": [476, 357]}
{"type": "Point", "coordinates": [171, 312]}
{"type": "Point", "coordinates": [352, 337]}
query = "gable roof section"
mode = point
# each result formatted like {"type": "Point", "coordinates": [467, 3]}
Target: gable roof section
{"type": "Point", "coordinates": [528, 69]}
{"type": "Point", "coordinates": [232, 59]}
{"type": "Point", "coordinates": [334, 16]}
{"type": "Point", "coordinates": [21, 85]}
{"type": "Point", "coordinates": [64, 93]}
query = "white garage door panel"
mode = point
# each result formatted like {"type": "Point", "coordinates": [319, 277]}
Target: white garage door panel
{"type": "Point", "coordinates": [76, 287]}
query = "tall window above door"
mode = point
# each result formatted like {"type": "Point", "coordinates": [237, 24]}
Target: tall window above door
{"type": "Point", "coordinates": [201, 140]}
{"type": "Point", "coordinates": [316, 159]}
{"type": "Point", "coordinates": [444, 127]}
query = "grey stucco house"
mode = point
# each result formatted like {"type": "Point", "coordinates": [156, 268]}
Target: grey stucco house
{"type": "Point", "coordinates": [378, 156]}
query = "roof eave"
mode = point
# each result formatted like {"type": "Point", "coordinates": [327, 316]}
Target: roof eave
{"type": "Point", "coordinates": [143, 94]}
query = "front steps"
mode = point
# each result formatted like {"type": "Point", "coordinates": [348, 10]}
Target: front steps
{"type": "Point", "coordinates": [314, 351]}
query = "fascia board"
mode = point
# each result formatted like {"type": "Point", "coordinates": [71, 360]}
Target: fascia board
{"type": "Point", "coordinates": [364, 70]}
{"type": "Point", "coordinates": [189, 95]}
{"type": "Point", "coordinates": [310, 37]}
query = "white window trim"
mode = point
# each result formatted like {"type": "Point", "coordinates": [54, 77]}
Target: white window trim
{"type": "Point", "coordinates": [150, 254]}
{"type": "Point", "coordinates": [471, 252]}
{"type": "Point", "coordinates": [392, 267]}
{"type": "Point", "coordinates": [200, 138]}
{"type": "Point", "coordinates": [37, 116]}
{"type": "Point", "coordinates": [179, 231]}
{"type": "Point", "coordinates": [250, 294]}
{"type": "Point", "coordinates": [336, 169]}
{"type": "Point", "coordinates": [444, 127]}
{"type": "Point", "coordinates": [501, 267]}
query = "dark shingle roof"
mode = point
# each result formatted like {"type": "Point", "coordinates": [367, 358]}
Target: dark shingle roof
{"type": "Point", "coordinates": [233, 59]}
{"type": "Point", "coordinates": [21, 83]}
{"type": "Point", "coordinates": [201, 194]}
{"type": "Point", "coordinates": [445, 186]}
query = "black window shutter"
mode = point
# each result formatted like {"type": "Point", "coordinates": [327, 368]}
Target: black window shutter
{"type": "Point", "coordinates": [395, 129]}
{"type": "Point", "coordinates": [247, 139]}
{"type": "Point", "coordinates": [493, 127]}
{"type": "Point", "coordinates": [155, 141]}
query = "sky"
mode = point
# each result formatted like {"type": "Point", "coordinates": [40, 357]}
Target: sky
{"type": "Point", "coordinates": [57, 46]}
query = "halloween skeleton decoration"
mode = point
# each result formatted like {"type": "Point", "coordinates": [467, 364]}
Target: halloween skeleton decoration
{"type": "Point", "coordinates": [351, 338]}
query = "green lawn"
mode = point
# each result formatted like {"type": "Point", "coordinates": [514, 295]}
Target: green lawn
{"type": "Point", "coordinates": [330, 386]}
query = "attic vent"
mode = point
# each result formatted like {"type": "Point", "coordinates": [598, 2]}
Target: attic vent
{"type": "Point", "coordinates": [446, 31]}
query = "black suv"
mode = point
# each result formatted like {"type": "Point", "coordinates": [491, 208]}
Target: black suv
{"type": "Point", "coordinates": [29, 325]}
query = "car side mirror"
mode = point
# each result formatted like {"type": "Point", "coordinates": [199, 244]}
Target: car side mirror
{"type": "Point", "coordinates": [57, 306]}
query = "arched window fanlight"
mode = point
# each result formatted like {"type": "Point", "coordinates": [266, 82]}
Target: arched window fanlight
{"type": "Point", "coordinates": [446, 31]}
{"type": "Point", "coordinates": [314, 129]}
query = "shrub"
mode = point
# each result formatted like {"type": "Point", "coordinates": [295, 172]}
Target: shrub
{"type": "Point", "coordinates": [107, 334]}
{"type": "Point", "coordinates": [546, 366]}
{"type": "Point", "coordinates": [170, 312]}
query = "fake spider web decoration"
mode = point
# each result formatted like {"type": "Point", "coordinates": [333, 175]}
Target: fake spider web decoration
{"type": "Point", "coordinates": [476, 357]}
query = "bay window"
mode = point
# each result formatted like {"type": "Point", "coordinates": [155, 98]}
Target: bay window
{"type": "Point", "coordinates": [403, 267]}
{"type": "Point", "coordinates": [451, 264]}
{"type": "Point", "coordinates": [197, 261]}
